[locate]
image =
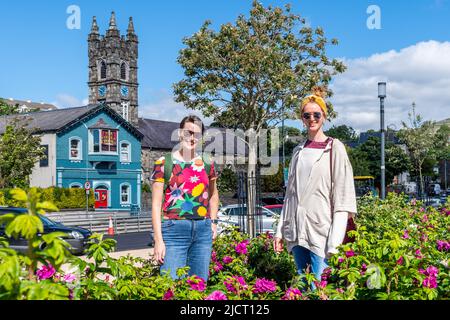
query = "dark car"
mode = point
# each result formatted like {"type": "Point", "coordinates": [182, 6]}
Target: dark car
{"type": "Point", "coordinates": [76, 237]}
{"type": "Point", "coordinates": [266, 201]}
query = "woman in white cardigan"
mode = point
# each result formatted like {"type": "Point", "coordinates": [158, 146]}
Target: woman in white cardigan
{"type": "Point", "coordinates": [320, 195]}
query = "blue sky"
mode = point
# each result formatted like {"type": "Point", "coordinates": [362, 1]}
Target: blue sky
{"type": "Point", "coordinates": [42, 60]}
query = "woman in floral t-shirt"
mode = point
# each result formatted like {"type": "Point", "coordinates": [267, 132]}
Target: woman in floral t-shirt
{"type": "Point", "coordinates": [184, 209]}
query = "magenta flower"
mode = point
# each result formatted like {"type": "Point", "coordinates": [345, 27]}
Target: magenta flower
{"type": "Point", "coordinates": [400, 261]}
{"type": "Point", "coordinates": [196, 283]}
{"type": "Point", "coordinates": [235, 284]}
{"type": "Point", "coordinates": [292, 294]}
{"type": "Point", "coordinates": [443, 245]}
{"type": "Point", "coordinates": [425, 218]}
{"type": "Point", "coordinates": [69, 277]}
{"type": "Point", "coordinates": [340, 260]}
{"type": "Point", "coordinates": [263, 285]}
{"type": "Point", "coordinates": [431, 277]}
{"type": "Point", "coordinates": [340, 290]}
{"type": "Point", "coordinates": [363, 269]}
{"type": "Point", "coordinates": [214, 256]}
{"type": "Point", "coordinates": [45, 272]}
{"type": "Point", "coordinates": [430, 282]}
{"type": "Point", "coordinates": [168, 295]}
{"type": "Point", "coordinates": [349, 253]}
{"type": "Point", "coordinates": [217, 295]}
{"type": "Point", "coordinates": [322, 284]}
{"type": "Point", "coordinates": [326, 273]}
{"type": "Point", "coordinates": [241, 248]}
{"type": "Point", "coordinates": [227, 260]}
{"type": "Point", "coordinates": [405, 234]}
{"type": "Point", "coordinates": [418, 254]}
{"type": "Point", "coordinates": [218, 267]}
{"type": "Point", "coordinates": [432, 271]}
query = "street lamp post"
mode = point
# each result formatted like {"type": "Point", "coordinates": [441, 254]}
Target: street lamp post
{"type": "Point", "coordinates": [382, 96]}
{"type": "Point", "coordinates": [282, 142]}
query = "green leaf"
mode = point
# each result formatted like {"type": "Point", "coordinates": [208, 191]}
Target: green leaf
{"type": "Point", "coordinates": [19, 195]}
{"type": "Point", "coordinates": [24, 225]}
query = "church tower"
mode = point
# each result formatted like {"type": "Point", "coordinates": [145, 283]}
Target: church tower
{"type": "Point", "coordinates": [113, 69]}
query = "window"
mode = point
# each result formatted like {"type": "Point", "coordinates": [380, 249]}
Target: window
{"type": "Point", "coordinates": [103, 70]}
{"type": "Point", "coordinates": [104, 141]}
{"type": "Point", "coordinates": [75, 185]}
{"type": "Point", "coordinates": [125, 193]}
{"type": "Point", "coordinates": [125, 108]}
{"type": "Point", "coordinates": [125, 155]}
{"type": "Point", "coordinates": [44, 161]}
{"type": "Point", "coordinates": [123, 71]}
{"type": "Point", "coordinates": [75, 148]}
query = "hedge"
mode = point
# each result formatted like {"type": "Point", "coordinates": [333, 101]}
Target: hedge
{"type": "Point", "coordinates": [63, 198]}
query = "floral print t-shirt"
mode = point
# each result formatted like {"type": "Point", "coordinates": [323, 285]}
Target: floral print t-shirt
{"type": "Point", "coordinates": [187, 193]}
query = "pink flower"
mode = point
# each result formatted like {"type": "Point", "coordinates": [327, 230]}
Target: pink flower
{"type": "Point", "coordinates": [340, 260]}
{"type": "Point", "coordinates": [432, 271]}
{"type": "Point", "coordinates": [443, 245]}
{"type": "Point", "coordinates": [45, 272]}
{"type": "Point", "coordinates": [217, 295]}
{"type": "Point", "coordinates": [235, 284]}
{"type": "Point", "coordinates": [405, 234]}
{"type": "Point", "coordinates": [430, 282]}
{"type": "Point", "coordinates": [241, 248]}
{"type": "Point", "coordinates": [196, 283]}
{"type": "Point", "coordinates": [400, 261]}
{"type": "Point", "coordinates": [69, 277]}
{"type": "Point", "coordinates": [326, 273]}
{"type": "Point", "coordinates": [322, 284]}
{"type": "Point", "coordinates": [214, 256]}
{"type": "Point", "coordinates": [413, 202]}
{"type": "Point", "coordinates": [349, 253]}
{"type": "Point", "coordinates": [218, 267]}
{"type": "Point", "coordinates": [363, 269]}
{"type": "Point", "coordinates": [418, 254]}
{"type": "Point", "coordinates": [425, 218]}
{"type": "Point", "coordinates": [340, 290]}
{"type": "Point", "coordinates": [292, 294]}
{"type": "Point", "coordinates": [263, 285]}
{"type": "Point", "coordinates": [227, 259]}
{"type": "Point", "coordinates": [168, 295]}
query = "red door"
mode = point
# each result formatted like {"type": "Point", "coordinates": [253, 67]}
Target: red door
{"type": "Point", "coordinates": [101, 198]}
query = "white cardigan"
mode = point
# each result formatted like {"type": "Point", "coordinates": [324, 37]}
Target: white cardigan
{"type": "Point", "coordinates": [306, 219]}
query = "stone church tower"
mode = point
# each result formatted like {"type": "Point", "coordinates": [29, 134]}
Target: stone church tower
{"type": "Point", "coordinates": [113, 69]}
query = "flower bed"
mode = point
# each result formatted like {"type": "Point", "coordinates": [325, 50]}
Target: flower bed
{"type": "Point", "coordinates": [400, 252]}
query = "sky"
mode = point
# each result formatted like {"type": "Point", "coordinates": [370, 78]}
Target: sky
{"type": "Point", "coordinates": [42, 60]}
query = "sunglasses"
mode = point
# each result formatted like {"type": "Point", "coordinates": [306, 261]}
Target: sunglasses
{"type": "Point", "coordinates": [307, 115]}
{"type": "Point", "coordinates": [188, 133]}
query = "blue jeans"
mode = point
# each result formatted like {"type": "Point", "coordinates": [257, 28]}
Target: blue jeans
{"type": "Point", "coordinates": [188, 243]}
{"type": "Point", "coordinates": [304, 257]}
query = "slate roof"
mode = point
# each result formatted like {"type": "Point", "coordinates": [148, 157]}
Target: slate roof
{"type": "Point", "coordinates": [60, 120]}
{"type": "Point", "coordinates": [158, 134]}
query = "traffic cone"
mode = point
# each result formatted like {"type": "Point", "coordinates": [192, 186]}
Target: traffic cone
{"type": "Point", "coordinates": [110, 228]}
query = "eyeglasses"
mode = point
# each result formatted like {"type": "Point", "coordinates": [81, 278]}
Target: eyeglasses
{"type": "Point", "coordinates": [188, 133]}
{"type": "Point", "coordinates": [307, 115]}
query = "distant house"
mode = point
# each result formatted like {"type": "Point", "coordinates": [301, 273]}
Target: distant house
{"type": "Point", "coordinates": [89, 144]}
{"type": "Point", "coordinates": [29, 106]}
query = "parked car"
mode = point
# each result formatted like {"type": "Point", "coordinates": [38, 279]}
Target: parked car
{"type": "Point", "coordinates": [276, 208]}
{"type": "Point", "coordinates": [237, 216]}
{"type": "Point", "coordinates": [76, 237]}
{"type": "Point", "coordinates": [271, 200]}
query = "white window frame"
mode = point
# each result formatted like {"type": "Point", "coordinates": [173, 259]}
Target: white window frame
{"type": "Point", "coordinates": [100, 152]}
{"type": "Point", "coordinates": [80, 149]}
{"type": "Point", "coordinates": [73, 184]}
{"type": "Point", "coordinates": [128, 194]}
{"type": "Point", "coordinates": [128, 160]}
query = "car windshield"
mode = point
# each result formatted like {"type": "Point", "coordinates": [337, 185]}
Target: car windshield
{"type": "Point", "coordinates": [276, 210]}
{"type": "Point", "coordinates": [48, 222]}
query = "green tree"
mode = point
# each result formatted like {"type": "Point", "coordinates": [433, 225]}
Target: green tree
{"type": "Point", "coordinates": [421, 141]}
{"type": "Point", "coordinates": [6, 109]}
{"type": "Point", "coordinates": [251, 73]}
{"type": "Point", "coordinates": [343, 132]}
{"type": "Point", "coordinates": [20, 149]}
{"type": "Point", "coordinates": [366, 159]}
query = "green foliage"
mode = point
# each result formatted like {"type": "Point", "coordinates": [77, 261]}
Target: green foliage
{"type": "Point", "coordinates": [343, 132]}
{"type": "Point", "coordinates": [227, 180]}
{"type": "Point", "coordinates": [6, 109]}
{"type": "Point", "coordinates": [20, 149]}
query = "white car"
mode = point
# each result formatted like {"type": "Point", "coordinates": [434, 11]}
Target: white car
{"type": "Point", "coordinates": [237, 215]}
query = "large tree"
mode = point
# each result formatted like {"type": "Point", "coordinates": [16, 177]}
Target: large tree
{"type": "Point", "coordinates": [343, 132]}
{"type": "Point", "coordinates": [20, 149]}
{"type": "Point", "coordinates": [421, 141]}
{"type": "Point", "coordinates": [6, 109]}
{"type": "Point", "coordinates": [250, 74]}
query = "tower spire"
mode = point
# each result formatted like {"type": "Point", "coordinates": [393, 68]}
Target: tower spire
{"type": "Point", "coordinates": [112, 21]}
{"type": "Point", "coordinates": [130, 29]}
{"type": "Point", "coordinates": [94, 28]}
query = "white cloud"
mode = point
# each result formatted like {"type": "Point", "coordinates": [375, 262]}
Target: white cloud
{"type": "Point", "coordinates": [64, 100]}
{"type": "Point", "coordinates": [162, 106]}
{"type": "Point", "coordinates": [419, 73]}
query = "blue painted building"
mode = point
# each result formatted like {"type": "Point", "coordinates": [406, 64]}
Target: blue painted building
{"type": "Point", "coordinates": [90, 144]}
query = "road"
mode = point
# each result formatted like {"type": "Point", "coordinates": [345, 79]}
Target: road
{"type": "Point", "coordinates": [132, 241]}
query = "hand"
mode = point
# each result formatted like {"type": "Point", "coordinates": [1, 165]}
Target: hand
{"type": "Point", "coordinates": [159, 251]}
{"type": "Point", "coordinates": [277, 244]}
{"type": "Point", "coordinates": [214, 230]}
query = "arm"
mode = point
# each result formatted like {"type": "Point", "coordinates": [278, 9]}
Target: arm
{"type": "Point", "coordinates": [337, 232]}
{"type": "Point", "coordinates": [157, 195]}
{"type": "Point", "coordinates": [213, 204]}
